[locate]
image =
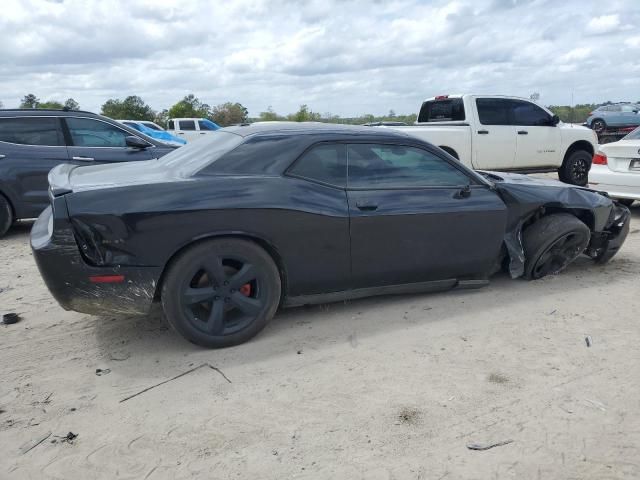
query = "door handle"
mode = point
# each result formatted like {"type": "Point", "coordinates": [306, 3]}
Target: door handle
{"type": "Point", "coordinates": [483, 132]}
{"type": "Point", "coordinates": [180, 133]}
{"type": "Point", "coordinates": [83, 159]}
{"type": "Point", "coordinates": [367, 206]}
{"type": "Point", "coordinates": [203, 133]}
{"type": "Point", "coordinates": [2, 156]}
{"type": "Point", "coordinates": [523, 132]}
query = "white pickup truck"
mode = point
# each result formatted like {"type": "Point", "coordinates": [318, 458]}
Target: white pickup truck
{"type": "Point", "coordinates": [191, 128]}
{"type": "Point", "coordinates": [492, 132]}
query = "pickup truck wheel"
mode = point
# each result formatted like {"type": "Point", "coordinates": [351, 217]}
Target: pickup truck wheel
{"type": "Point", "coordinates": [598, 125]}
{"type": "Point", "coordinates": [552, 243]}
{"type": "Point", "coordinates": [6, 215]}
{"type": "Point", "coordinates": [575, 168]}
{"type": "Point", "coordinates": [221, 292]}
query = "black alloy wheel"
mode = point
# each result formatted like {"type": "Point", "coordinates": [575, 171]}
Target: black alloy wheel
{"type": "Point", "coordinates": [222, 292]}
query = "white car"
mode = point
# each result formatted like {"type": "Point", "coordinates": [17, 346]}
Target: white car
{"type": "Point", "coordinates": [616, 169]}
{"type": "Point", "coordinates": [494, 132]}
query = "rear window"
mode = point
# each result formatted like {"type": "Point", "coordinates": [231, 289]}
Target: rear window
{"type": "Point", "coordinates": [31, 131]}
{"type": "Point", "coordinates": [195, 156]}
{"type": "Point", "coordinates": [451, 109]}
{"type": "Point", "coordinates": [635, 135]}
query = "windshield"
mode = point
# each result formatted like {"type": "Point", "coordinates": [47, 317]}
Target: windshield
{"type": "Point", "coordinates": [635, 135]}
{"type": "Point", "coordinates": [196, 155]}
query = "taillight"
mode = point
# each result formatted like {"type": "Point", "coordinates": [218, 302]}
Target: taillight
{"type": "Point", "coordinates": [599, 159]}
{"type": "Point", "coordinates": [442, 97]}
{"type": "Point", "coordinates": [590, 113]}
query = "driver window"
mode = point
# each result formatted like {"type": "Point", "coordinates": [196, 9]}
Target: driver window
{"type": "Point", "coordinates": [396, 166]}
{"type": "Point", "coordinates": [86, 132]}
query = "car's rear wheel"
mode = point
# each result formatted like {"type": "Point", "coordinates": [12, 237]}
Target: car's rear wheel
{"type": "Point", "coordinates": [552, 243]}
{"type": "Point", "coordinates": [6, 215]}
{"type": "Point", "coordinates": [221, 292]}
{"type": "Point", "coordinates": [598, 125]}
{"type": "Point", "coordinates": [575, 168]}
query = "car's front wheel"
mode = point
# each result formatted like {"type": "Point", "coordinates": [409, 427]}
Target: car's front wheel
{"type": "Point", "coordinates": [552, 243]}
{"type": "Point", "coordinates": [221, 292]}
{"type": "Point", "coordinates": [575, 168]}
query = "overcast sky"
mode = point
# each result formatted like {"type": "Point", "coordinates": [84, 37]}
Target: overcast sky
{"type": "Point", "coordinates": [343, 57]}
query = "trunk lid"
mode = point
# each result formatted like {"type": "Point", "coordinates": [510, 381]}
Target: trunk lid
{"type": "Point", "coordinates": [621, 154]}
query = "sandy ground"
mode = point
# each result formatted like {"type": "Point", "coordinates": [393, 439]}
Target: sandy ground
{"type": "Point", "coordinates": [385, 388]}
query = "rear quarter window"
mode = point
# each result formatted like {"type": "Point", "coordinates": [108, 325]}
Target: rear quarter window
{"type": "Point", "coordinates": [451, 109]}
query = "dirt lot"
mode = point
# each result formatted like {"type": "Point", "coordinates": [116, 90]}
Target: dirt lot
{"type": "Point", "coordinates": [385, 388]}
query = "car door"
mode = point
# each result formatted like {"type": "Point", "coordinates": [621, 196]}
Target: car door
{"type": "Point", "coordinates": [537, 137]}
{"type": "Point", "coordinates": [629, 115]}
{"type": "Point", "coordinates": [416, 216]}
{"type": "Point", "coordinates": [92, 140]}
{"type": "Point", "coordinates": [493, 141]}
{"type": "Point", "coordinates": [30, 146]}
{"type": "Point", "coordinates": [614, 117]}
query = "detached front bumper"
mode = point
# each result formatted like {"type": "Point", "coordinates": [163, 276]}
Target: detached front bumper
{"type": "Point", "coordinates": [78, 286]}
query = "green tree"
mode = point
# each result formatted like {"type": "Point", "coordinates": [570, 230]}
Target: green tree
{"type": "Point", "coordinates": [131, 108]}
{"type": "Point", "coordinates": [51, 104]}
{"type": "Point", "coordinates": [71, 104]}
{"type": "Point", "coordinates": [29, 101]}
{"type": "Point", "coordinates": [189, 107]}
{"type": "Point", "coordinates": [269, 115]}
{"type": "Point", "coordinates": [229, 113]}
{"type": "Point", "coordinates": [162, 117]}
{"type": "Point", "coordinates": [304, 115]}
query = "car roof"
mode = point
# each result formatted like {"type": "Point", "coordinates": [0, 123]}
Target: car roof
{"type": "Point", "coordinates": [44, 112]}
{"type": "Point", "coordinates": [265, 128]}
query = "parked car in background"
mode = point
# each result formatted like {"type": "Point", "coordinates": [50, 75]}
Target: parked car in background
{"type": "Point", "coordinates": [506, 134]}
{"type": "Point", "coordinates": [385, 123]}
{"type": "Point", "coordinates": [152, 125]}
{"type": "Point", "coordinates": [614, 116]}
{"type": "Point", "coordinates": [157, 133]}
{"type": "Point", "coordinates": [32, 142]}
{"type": "Point", "coordinates": [616, 169]}
{"type": "Point", "coordinates": [227, 229]}
{"type": "Point", "coordinates": [191, 128]}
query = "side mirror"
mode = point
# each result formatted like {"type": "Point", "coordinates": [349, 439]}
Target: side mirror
{"type": "Point", "coordinates": [135, 142]}
{"type": "Point", "coordinates": [555, 120]}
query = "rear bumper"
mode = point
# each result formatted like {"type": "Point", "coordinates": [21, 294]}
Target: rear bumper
{"type": "Point", "coordinates": [69, 278]}
{"type": "Point", "coordinates": [616, 184]}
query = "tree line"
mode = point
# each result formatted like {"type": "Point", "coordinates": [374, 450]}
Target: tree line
{"type": "Point", "coordinates": [134, 107]}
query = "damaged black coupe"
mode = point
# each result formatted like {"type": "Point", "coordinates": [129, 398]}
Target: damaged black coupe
{"type": "Point", "coordinates": [225, 230]}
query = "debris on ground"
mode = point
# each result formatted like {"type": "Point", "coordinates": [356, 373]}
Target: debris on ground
{"type": "Point", "coordinates": [27, 447]}
{"type": "Point", "coordinates": [100, 371]}
{"type": "Point", "coordinates": [588, 340]}
{"type": "Point", "coordinates": [175, 378]}
{"type": "Point", "coordinates": [119, 357]}
{"type": "Point", "coordinates": [487, 446]}
{"type": "Point", "coordinates": [299, 352]}
{"type": "Point", "coordinates": [11, 318]}
{"type": "Point", "coordinates": [68, 438]}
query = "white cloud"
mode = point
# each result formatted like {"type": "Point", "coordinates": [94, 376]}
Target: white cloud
{"type": "Point", "coordinates": [603, 24]}
{"type": "Point", "coordinates": [342, 56]}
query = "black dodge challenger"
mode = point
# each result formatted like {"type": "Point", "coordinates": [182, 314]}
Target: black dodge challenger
{"type": "Point", "coordinates": [225, 230]}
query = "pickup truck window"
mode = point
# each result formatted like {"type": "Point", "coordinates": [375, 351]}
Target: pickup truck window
{"type": "Point", "coordinates": [186, 125]}
{"type": "Point", "coordinates": [451, 109]}
{"type": "Point", "coordinates": [494, 111]}
{"type": "Point", "coordinates": [395, 166]}
{"type": "Point", "coordinates": [530, 115]}
{"type": "Point", "coordinates": [170, 125]}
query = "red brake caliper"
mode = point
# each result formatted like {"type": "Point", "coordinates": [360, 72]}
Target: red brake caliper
{"type": "Point", "coordinates": [246, 289]}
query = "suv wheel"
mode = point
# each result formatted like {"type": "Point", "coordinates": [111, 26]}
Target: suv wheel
{"type": "Point", "coordinates": [6, 215]}
{"type": "Point", "coordinates": [598, 125]}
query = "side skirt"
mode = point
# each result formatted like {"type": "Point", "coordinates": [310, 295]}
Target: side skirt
{"type": "Point", "coordinates": [419, 287]}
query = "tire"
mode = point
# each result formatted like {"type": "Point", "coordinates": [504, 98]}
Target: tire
{"type": "Point", "coordinates": [552, 243]}
{"type": "Point", "coordinates": [598, 125]}
{"type": "Point", "coordinates": [627, 202]}
{"type": "Point", "coordinates": [221, 292]}
{"type": "Point", "coordinates": [6, 215]}
{"type": "Point", "coordinates": [575, 168]}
